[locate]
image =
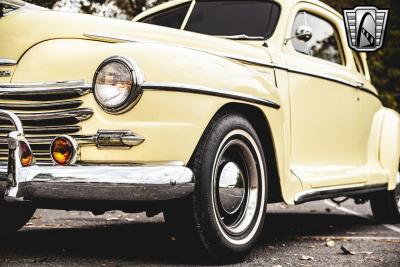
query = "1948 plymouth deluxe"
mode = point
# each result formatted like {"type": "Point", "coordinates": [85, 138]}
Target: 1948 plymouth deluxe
{"type": "Point", "coordinates": [203, 110]}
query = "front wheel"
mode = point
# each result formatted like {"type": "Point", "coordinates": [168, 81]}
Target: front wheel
{"type": "Point", "coordinates": [229, 200]}
{"type": "Point", "coordinates": [14, 216]}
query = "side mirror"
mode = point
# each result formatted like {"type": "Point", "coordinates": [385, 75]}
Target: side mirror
{"type": "Point", "coordinates": [302, 33]}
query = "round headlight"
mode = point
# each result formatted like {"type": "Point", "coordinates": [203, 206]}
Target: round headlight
{"type": "Point", "coordinates": [117, 84]}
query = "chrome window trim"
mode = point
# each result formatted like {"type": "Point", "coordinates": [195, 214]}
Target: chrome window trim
{"type": "Point", "coordinates": [196, 89]}
{"type": "Point", "coordinates": [7, 62]}
{"type": "Point", "coordinates": [78, 88]}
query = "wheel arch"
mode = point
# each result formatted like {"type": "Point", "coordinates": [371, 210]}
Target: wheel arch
{"type": "Point", "coordinates": [389, 147]}
{"type": "Point", "coordinates": [262, 126]}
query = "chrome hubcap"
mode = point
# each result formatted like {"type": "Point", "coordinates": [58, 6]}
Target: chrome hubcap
{"type": "Point", "coordinates": [231, 188]}
{"type": "Point", "coordinates": [238, 187]}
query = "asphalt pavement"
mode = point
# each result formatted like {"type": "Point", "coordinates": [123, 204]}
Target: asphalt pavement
{"type": "Point", "coordinates": [312, 234]}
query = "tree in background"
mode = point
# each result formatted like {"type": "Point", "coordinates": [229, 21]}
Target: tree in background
{"type": "Point", "coordinates": [121, 9]}
{"type": "Point", "coordinates": [384, 64]}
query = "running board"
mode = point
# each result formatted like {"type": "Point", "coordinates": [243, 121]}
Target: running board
{"type": "Point", "coordinates": [318, 194]}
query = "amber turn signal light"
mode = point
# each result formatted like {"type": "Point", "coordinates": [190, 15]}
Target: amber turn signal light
{"type": "Point", "coordinates": [63, 150]}
{"type": "Point", "coordinates": [25, 154]}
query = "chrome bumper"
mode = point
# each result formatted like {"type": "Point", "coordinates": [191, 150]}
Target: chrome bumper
{"type": "Point", "coordinates": [88, 182]}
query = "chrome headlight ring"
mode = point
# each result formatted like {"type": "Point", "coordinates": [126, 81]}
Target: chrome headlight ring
{"type": "Point", "coordinates": [109, 73]}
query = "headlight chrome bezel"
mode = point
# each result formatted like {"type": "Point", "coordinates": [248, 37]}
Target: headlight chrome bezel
{"type": "Point", "coordinates": [136, 87]}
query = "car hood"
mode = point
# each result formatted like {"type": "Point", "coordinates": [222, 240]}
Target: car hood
{"type": "Point", "coordinates": [23, 29]}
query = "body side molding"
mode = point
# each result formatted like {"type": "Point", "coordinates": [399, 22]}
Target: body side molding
{"type": "Point", "coordinates": [187, 88]}
{"type": "Point", "coordinates": [248, 60]}
{"type": "Point", "coordinates": [7, 62]}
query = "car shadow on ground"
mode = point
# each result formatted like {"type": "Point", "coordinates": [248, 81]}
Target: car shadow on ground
{"type": "Point", "coordinates": [152, 242]}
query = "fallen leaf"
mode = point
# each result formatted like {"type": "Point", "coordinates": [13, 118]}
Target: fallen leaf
{"type": "Point", "coordinates": [347, 251]}
{"type": "Point", "coordinates": [328, 210]}
{"type": "Point", "coordinates": [330, 243]}
{"type": "Point", "coordinates": [306, 258]}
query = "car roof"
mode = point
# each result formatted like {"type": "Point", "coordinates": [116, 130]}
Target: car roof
{"type": "Point", "coordinates": [180, 2]}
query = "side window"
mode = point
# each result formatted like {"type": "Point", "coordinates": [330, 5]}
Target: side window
{"type": "Point", "coordinates": [172, 18]}
{"type": "Point", "coordinates": [325, 42]}
{"type": "Point", "coordinates": [299, 46]}
{"type": "Point", "coordinates": [358, 62]}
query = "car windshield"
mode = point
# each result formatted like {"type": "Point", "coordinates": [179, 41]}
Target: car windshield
{"type": "Point", "coordinates": [7, 6]}
{"type": "Point", "coordinates": [241, 19]}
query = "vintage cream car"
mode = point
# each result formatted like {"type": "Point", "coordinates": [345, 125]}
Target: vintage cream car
{"type": "Point", "coordinates": [203, 110]}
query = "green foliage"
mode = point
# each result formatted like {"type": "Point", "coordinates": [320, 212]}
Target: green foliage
{"type": "Point", "coordinates": [384, 64]}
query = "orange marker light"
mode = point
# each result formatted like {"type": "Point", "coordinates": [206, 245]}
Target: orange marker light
{"type": "Point", "coordinates": [63, 150]}
{"type": "Point", "coordinates": [26, 155]}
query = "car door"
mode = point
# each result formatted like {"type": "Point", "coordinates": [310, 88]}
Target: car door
{"type": "Point", "coordinates": [371, 113]}
{"type": "Point", "coordinates": [325, 146]}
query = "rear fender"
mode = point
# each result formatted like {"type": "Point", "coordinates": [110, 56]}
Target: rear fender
{"type": "Point", "coordinates": [389, 152]}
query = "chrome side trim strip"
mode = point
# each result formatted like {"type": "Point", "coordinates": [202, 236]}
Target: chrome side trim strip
{"type": "Point", "coordinates": [7, 62]}
{"type": "Point", "coordinates": [78, 88]}
{"type": "Point", "coordinates": [248, 60]}
{"type": "Point", "coordinates": [116, 38]}
{"type": "Point", "coordinates": [355, 85]}
{"type": "Point", "coordinates": [319, 194]}
{"type": "Point", "coordinates": [188, 88]}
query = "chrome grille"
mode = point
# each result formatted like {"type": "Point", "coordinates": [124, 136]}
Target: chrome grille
{"type": "Point", "coordinates": [46, 110]}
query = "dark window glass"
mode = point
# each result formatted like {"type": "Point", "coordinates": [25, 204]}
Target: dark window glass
{"type": "Point", "coordinates": [299, 46]}
{"type": "Point", "coordinates": [324, 43]}
{"type": "Point", "coordinates": [171, 18]}
{"type": "Point", "coordinates": [227, 18]}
